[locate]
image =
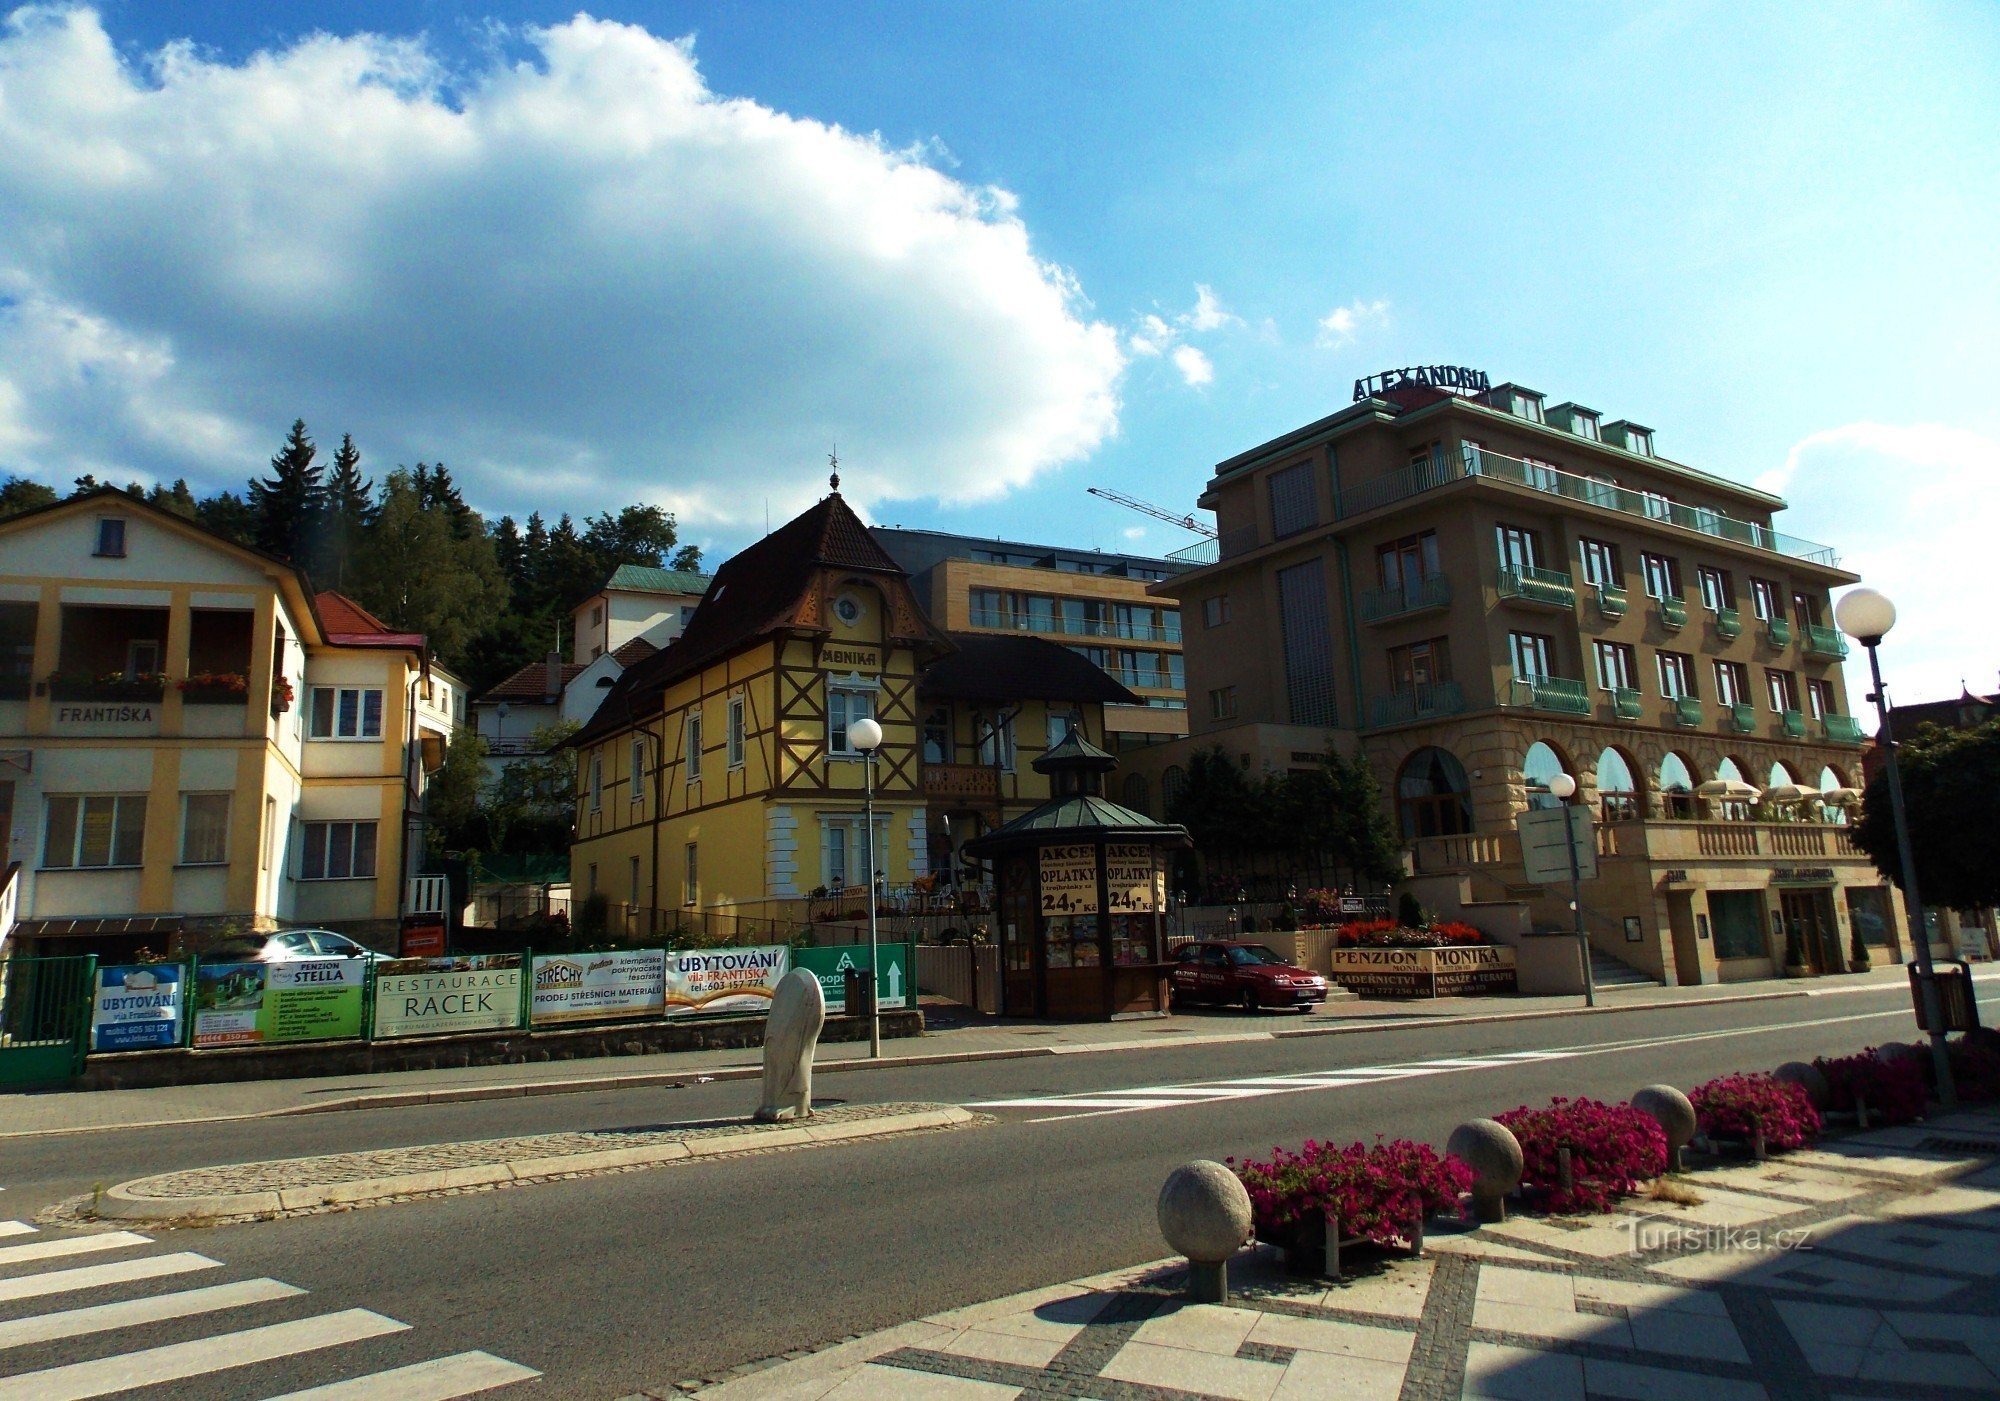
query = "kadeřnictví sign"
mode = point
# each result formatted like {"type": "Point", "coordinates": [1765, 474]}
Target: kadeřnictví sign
{"type": "Point", "coordinates": [1458, 377]}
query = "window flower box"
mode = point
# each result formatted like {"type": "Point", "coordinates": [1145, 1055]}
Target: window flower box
{"type": "Point", "coordinates": [281, 695]}
{"type": "Point", "coordinates": [215, 688]}
{"type": "Point", "coordinates": [142, 686]}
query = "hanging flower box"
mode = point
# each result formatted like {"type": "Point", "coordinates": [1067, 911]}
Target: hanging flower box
{"type": "Point", "coordinates": [215, 688]}
{"type": "Point", "coordinates": [72, 686]}
{"type": "Point", "coordinates": [281, 695]}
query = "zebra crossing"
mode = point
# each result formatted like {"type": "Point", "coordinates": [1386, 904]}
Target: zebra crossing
{"type": "Point", "coordinates": [1257, 1086]}
{"type": "Point", "coordinates": [61, 1290]}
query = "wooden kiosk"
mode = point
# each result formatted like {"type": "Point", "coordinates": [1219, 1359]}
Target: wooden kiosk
{"type": "Point", "coordinates": [1082, 896]}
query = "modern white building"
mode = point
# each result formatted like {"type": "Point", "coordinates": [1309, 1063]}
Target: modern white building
{"type": "Point", "coordinates": [637, 601]}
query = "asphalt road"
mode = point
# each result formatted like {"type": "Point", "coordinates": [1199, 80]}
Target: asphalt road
{"type": "Point", "coordinates": [609, 1284]}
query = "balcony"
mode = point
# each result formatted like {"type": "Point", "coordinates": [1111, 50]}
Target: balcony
{"type": "Point", "coordinates": [1793, 723]}
{"type": "Point", "coordinates": [1742, 717]}
{"type": "Point", "coordinates": [964, 783]}
{"type": "Point", "coordinates": [1673, 614]}
{"type": "Point", "coordinates": [1553, 693]}
{"type": "Point", "coordinates": [1626, 703]}
{"type": "Point", "coordinates": [1687, 711]}
{"type": "Point", "coordinates": [1841, 729]}
{"type": "Point", "coordinates": [1671, 842]}
{"type": "Point", "coordinates": [1429, 700]}
{"type": "Point", "coordinates": [1825, 642]}
{"type": "Point", "coordinates": [1544, 586]}
{"type": "Point", "coordinates": [1778, 632]}
{"type": "Point", "coordinates": [1415, 596]}
{"type": "Point", "coordinates": [1055, 624]}
{"type": "Point", "coordinates": [1728, 624]}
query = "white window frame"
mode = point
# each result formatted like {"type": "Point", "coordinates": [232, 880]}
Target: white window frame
{"type": "Point", "coordinates": [848, 694]}
{"type": "Point", "coordinates": [1626, 666]}
{"type": "Point", "coordinates": [187, 803]}
{"type": "Point", "coordinates": [336, 719]}
{"type": "Point", "coordinates": [736, 732]}
{"type": "Point", "coordinates": [852, 827]}
{"type": "Point", "coordinates": [691, 874]}
{"type": "Point", "coordinates": [597, 783]}
{"type": "Point", "coordinates": [692, 733]}
{"type": "Point", "coordinates": [1674, 664]}
{"type": "Point", "coordinates": [325, 831]}
{"type": "Point", "coordinates": [638, 769]}
{"type": "Point", "coordinates": [142, 656]}
{"type": "Point", "coordinates": [73, 859]}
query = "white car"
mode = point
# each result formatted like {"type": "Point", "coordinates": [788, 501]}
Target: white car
{"type": "Point", "coordinates": [291, 945]}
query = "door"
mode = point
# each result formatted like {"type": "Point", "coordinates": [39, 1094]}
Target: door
{"type": "Point", "coordinates": [44, 1019]}
{"type": "Point", "coordinates": [1808, 917]}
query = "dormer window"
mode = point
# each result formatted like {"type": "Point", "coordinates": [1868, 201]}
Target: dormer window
{"type": "Point", "coordinates": [1520, 402]}
{"type": "Point", "coordinates": [1574, 418]}
{"type": "Point", "coordinates": [1629, 436]}
{"type": "Point", "coordinates": [110, 537]}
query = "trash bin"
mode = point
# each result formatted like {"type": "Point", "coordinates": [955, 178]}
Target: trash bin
{"type": "Point", "coordinates": [859, 990]}
{"type": "Point", "coordinates": [1956, 1003]}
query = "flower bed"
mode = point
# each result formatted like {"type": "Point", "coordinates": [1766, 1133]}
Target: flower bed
{"type": "Point", "coordinates": [1381, 1193]}
{"type": "Point", "coordinates": [1975, 1067]}
{"type": "Point", "coordinates": [1388, 934]}
{"type": "Point", "coordinates": [1894, 1091]}
{"type": "Point", "coordinates": [1614, 1149]}
{"type": "Point", "coordinates": [1738, 1106]}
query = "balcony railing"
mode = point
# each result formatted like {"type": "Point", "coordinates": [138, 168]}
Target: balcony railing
{"type": "Point", "coordinates": [1413, 596]}
{"type": "Point", "coordinates": [1556, 693]}
{"type": "Point", "coordinates": [1478, 462]}
{"type": "Point", "coordinates": [1687, 710]}
{"type": "Point", "coordinates": [1825, 642]}
{"type": "Point", "coordinates": [964, 782]}
{"type": "Point", "coordinates": [1612, 602]}
{"type": "Point", "coordinates": [1550, 586]}
{"type": "Point", "coordinates": [1728, 624]}
{"type": "Point", "coordinates": [1742, 716]}
{"type": "Point", "coordinates": [1777, 632]}
{"type": "Point", "coordinates": [1074, 627]}
{"type": "Point", "coordinates": [1673, 614]}
{"type": "Point", "coordinates": [1626, 703]}
{"type": "Point", "coordinates": [1841, 729]}
{"type": "Point", "coordinates": [1425, 701]}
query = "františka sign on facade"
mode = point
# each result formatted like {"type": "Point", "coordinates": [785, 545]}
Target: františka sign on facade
{"type": "Point", "coordinates": [1458, 377]}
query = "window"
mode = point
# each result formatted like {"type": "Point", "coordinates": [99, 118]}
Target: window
{"type": "Point", "coordinates": [1058, 728]}
{"type": "Point", "coordinates": [1658, 505]}
{"type": "Point", "coordinates": [110, 538]}
{"type": "Point", "coordinates": [97, 830]}
{"type": "Point", "coordinates": [597, 616]}
{"type": "Point", "coordinates": [1718, 591]}
{"type": "Point", "coordinates": [736, 732]}
{"type": "Point", "coordinates": [1539, 768]}
{"type": "Point", "coordinates": [687, 615]}
{"type": "Point", "coordinates": [346, 712]}
{"type": "Point", "coordinates": [1600, 562]}
{"type": "Point", "coordinates": [1222, 703]}
{"type": "Point", "coordinates": [1617, 788]}
{"type": "Point", "coordinates": [1677, 675]}
{"type": "Point", "coordinates": [1519, 549]}
{"type": "Point", "coordinates": [1419, 664]}
{"type": "Point", "coordinates": [597, 783]}
{"type": "Point", "coordinates": [937, 736]}
{"type": "Point", "coordinates": [267, 856]}
{"type": "Point", "coordinates": [1617, 670]}
{"type": "Point", "coordinates": [593, 879]}
{"type": "Point", "coordinates": [1806, 610]}
{"type": "Point", "coordinates": [1176, 671]}
{"type": "Point", "coordinates": [1432, 796]}
{"type": "Point", "coordinates": [1784, 689]}
{"type": "Point", "coordinates": [204, 829]}
{"type": "Point", "coordinates": [638, 770]}
{"type": "Point", "coordinates": [142, 657]}
{"type": "Point", "coordinates": [634, 870]}
{"type": "Point", "coordinates": [1542, 476]}
{"type": "Point", "coordinates": [996, 742]}
{"type": "Point", "coordinates": [1407, 561]}
{"type": "Point", "coordinates": [1732, 683]}
{"type": "Point", "coordinates": [1215, 611]}
{"type": "Point", "coordinates": [1764, 596]}
{"type": "Point", "coordinates": [1737, 917]}
{"type": "Point", "coordinates": [1819, 695]}
{"type": "Point", "coordinates": [1676, 787]}
{"type": "Point", "coordinates": [843, 850]}
{"type": "Point", "coordinates": [339, 851]}
{"type": "Point", "coordinates": [691, 874]}
{"type": "Point", "coordinates": [1293, 504]}
{"type": "Point", "coordinates": [1307, 637]}
{"type": "Point", "coordinates": [1532, 654]}
{"type": "Point", "coordinates": [1170, 624]}
{"type": "Point", "coordinates": [844, 706]}
{"type": "Point", "coordinates": [1663, 575]}
{"type": "Point", "coordinates": [694, 747]}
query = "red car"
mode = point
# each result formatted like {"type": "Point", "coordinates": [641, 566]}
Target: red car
{"type": "Point", "coordinates": [1242, 975]}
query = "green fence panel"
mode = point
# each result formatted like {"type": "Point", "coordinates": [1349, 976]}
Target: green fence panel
{"type": "Point", "coordinates": [45, 1018]}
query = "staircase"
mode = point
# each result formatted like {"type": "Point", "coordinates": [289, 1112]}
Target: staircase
{"type": "Point", "coordinates": [1609, 972]}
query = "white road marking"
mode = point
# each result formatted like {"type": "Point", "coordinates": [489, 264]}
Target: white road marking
{"type": "Point", "coordinates": [440, 1379]}
{"type": "Point", "coordinates": [97, 1276]}
{"type": "Point", "coordinates": [16, 1228]}
{"type": "Point", "coordinates": [102, 1318]}
{"type": "Point", "coordinates": [72, 1245]}
{"type": "Point", "coordinates": [174, 1362]}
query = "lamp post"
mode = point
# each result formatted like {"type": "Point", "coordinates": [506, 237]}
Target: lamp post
{"type": "Point", "coordinates": [865, 735]}
{"type": "Point", "coordinates": [1562, 788]}
{"type": "Point", "coordinates": [1866, 615]}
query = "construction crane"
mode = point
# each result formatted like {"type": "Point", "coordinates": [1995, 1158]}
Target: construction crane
{"type": "Point", "coordinates": [1158, 513]}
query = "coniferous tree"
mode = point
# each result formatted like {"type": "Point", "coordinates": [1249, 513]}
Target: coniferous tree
{"type": "Point", "coordinates": [289, 502]}
{"type": "Point", "coordinates": [688, 558]}
{"type": "Point", "coordinates": [176, 498]}
{"type": "Point", "coordinates": [18, 494]}
{"type": "Point", "coordinates": [415, 572]}
{"type": "Point", "coordinates": [229, 516]}
{"type": "Point", "coordinates": [348, 512]}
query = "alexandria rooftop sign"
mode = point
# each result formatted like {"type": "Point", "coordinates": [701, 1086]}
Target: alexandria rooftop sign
{"type": "Point", "coordinates": [1458, 377]}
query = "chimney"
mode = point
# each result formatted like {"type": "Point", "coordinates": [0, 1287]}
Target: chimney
{"type": "Point", "coordinates": [552, 686]}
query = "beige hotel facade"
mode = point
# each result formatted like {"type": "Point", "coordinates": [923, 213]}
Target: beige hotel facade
{"type": "Point", "coordinates": [1476, 590]}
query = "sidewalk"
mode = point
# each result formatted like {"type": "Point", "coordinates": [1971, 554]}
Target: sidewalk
{"type": "Point", "coordinates": [1864, 1267]}
{"type": "Point", "coordinates": [956, 1035]}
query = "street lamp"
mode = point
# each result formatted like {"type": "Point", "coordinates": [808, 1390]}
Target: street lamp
{"type": "Point", "coordinates": [865, 735]}
{"type": "Point", "coordinates": [1562, 788]}
{"type": "Point", "coordinates": [1866, 615]}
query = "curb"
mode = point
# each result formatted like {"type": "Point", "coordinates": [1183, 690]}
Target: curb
{"type": "Point", "coordinates": [126, 1202]}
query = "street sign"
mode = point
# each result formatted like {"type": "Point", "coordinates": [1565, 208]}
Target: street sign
{"type": "Point", "coordinates": [1545, 837]}
{"type": "Point", "coordinates": [892, 980]}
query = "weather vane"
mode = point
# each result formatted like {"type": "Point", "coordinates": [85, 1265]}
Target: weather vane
{"type": "Point", "coordinates": [834, 458]}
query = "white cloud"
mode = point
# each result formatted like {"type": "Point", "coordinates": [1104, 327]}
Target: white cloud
{"type": "Point", "coordinates": [1209, 314]}
{"type": "Point", "coordinates": [1344, 324]}
{"type": "Point", "coordinates": [1153, 336]}
{"type": "Point", "coordinates": [1910, 507]}
{"type": "Point", "coordinates": [580, 277]}
{"type": "Point", "coordinates": [1134, 532]}
{"type": "Point", "coordinates": [1195, 367]}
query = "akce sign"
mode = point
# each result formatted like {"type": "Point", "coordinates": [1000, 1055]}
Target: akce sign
{"type": "Point", "coordinates": [1456, 377]}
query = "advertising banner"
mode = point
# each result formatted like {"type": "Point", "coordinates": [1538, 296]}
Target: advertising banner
{"type": "Point", "coordinates": [1435, 972]}
{"type": "Point", "coordinates": [724, 980]}
{"type": "Point", "coordinates": [470, 992]}
{"type": "Point", "coordinates": [1069, 878]}
{"type": "Point", "coordinates": [137, 1007]}
{"type": "Point", "coordinates": [1135, 879]}
{"type": "Point", "coordinates": [894, 985]}
{"type": "Point", "coordinates": [574, 987]}
{"type": "Point", "coordinates": [249, 1004]}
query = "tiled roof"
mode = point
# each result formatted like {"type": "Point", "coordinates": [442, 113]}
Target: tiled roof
{"type": "Point", "coordinates": [642, 578]}
{"type": "Point", "coordinates": [990, 666]}
{"type": "Point", "coordinates": [633, 652]}
{"type": "Point", "coordinates": [348, 624]}
{"type": "Point", "coordinates": [531, 682]}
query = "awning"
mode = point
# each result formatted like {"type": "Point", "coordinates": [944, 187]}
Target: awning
{"type": "Point", "coordinates": [97, 928]}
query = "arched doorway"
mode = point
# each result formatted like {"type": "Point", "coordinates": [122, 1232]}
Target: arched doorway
{"type": "Point", "coordinates": [1432, 797]}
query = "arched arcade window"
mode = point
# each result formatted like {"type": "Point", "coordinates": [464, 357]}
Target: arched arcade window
{"type": "Point", "coordinates": [1677, 780]}
{"type": "Point", "coordinates": [1432, 797]}
{"type": "Point", "coordinates": [1538, 766]}
{"type": "Point", "coordinates": [1617, 788]}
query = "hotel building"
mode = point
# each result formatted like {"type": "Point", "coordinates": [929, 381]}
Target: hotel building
{"type": "Point", "coordinates": [1477, 591]}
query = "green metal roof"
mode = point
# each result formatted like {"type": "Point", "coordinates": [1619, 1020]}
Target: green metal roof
{"type": "Point", "coordinates": [1080, 817]}
{"type": "Point", "coordinates": [642, 578]}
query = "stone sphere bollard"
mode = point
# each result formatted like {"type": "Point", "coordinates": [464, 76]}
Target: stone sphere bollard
{"type": "Point", "coordinates": [1670, 1109]}
{"type": "Point", "coordinates": [1494, 1155]}
{"type": "Point", "coordinates": [1889, 1052]}
{"type": "Point", "coordinates": [1204, 1213]}
{"type": "Point", "coordinates": [1806, 1074]}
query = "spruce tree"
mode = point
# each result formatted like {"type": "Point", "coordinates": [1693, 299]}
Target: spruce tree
{"type": "Point", "coordinates": [18, 494]}
{"type": "Point", "coordinates": [348, 512]}
{"type": "Point", "coordinates": [289, 502]}
{"type": "Point", "coordinates": [229, 516]}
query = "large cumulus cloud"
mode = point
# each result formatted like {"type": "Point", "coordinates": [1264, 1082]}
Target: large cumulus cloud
{"type": "Point", "coordinates": [579, 276]}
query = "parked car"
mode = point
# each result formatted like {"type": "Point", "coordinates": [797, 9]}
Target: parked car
{"type": "Point", "coordinates": [1249, 976]}
{"type": "Point", "coordinates": [290, 945]}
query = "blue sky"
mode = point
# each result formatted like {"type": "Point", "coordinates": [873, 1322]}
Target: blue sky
{"type": "Point", "coordinates": [1765, 230]}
